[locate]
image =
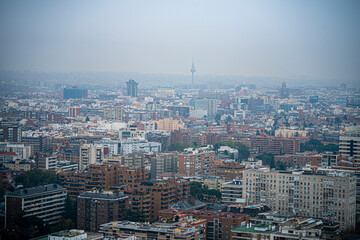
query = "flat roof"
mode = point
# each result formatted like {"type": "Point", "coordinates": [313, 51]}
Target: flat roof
{"type": "Point", "coordinates": [35, 190]}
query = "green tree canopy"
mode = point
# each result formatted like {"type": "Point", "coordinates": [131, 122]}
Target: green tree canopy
{"type": "Point", "coordinates": [37, 177]}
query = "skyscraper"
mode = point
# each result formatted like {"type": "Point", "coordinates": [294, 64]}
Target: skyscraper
{"type": "Point", "coordinates": [192, 70]}
{"type": "Point", "coordinates": [132, 88]}
{"type": "Point", "coordinates": [284, 92]}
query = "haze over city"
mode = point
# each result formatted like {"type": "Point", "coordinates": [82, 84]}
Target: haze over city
{"type": "Point", "coordinates": [301, 40]}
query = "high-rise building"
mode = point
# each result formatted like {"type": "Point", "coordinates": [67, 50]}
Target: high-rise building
{"type": "Point", "coordinates": [163, 162]}
{"type": "Point", "coordinates": [284, 92]}
{"type": "Point", "coordinates": [196, 162]}
{"type": "Point", "coordinates": [74, 111]}
{"type": "Point", "coordinates": [46, 162]}
{"type": "Point", "coordinates": [75, 92]}
{"type": "Point", "coordinates": [350, 147]}
{"type": "Point", "coordinates": [90, 154]}
{"type": "Point", "coordinates": [113, 114]}
{"type": "Point", "coordinates": [45, 202]}
{"type": "Point", "coordinates": [330, 196]}
{"type": "Point", "coordinates": [231, 192]}
{"type": "Point", "coordinates": [99, 207]}
{"type": "Point", "coordinates": [132, 88]}
{"type": "Point", "coordinates": [11, 133]}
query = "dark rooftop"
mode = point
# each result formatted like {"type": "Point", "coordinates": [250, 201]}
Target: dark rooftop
{"type": "Point", "coordinates": [35, 190]}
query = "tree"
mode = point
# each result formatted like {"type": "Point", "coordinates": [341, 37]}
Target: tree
{"type": "Point", "coordinates": [179, 146]}
{"type": "Point", "coordinates": [228, 119]}
{"type": "Point", "coordinates": [267, 159]}
{"type": "Point", "coordinates": [134, 216]}
{"type": "Point", "coordinates": [316, 145]}
{"type": "Point", "coordinates": [37, 177]}
{"type": "Point", "coordinates": [199, 192]}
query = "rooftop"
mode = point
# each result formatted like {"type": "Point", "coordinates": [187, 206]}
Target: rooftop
{"type": "Point", "coordinates": [257, 228]}
{"type": "Point", "coordinates": [35, 190]}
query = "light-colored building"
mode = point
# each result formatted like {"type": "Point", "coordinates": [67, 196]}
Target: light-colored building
{"type": "Point", "coordinates": [23, 151]}
{"type": "Point", "coordinates": [46, 162]}
{"type": "Point", "coordinates": [113, 114]}
{"type": "Point", "coordinates": [138, 145]}
{"type": "Point", "coordinates": [232, 192]}
{"type": "Point", "coordinates": [18, 165]}
{"type": "Point", "coordinates": [330, 196]}
{"type": "Point", "coordinates": [168, 124]}
{"type": "Point", "coordinates": [286, 133]}
{"type": "Point", "coordinates": [90, 154]}
{"type": "Point", "coordinates": [192, 229]}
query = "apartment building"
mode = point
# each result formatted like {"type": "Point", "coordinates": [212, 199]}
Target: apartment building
{"type": "Point", "coordinates": [350, 147]}
{"type": "Point", "coordinates": [46, 162]}
{"type": "Point", "coordinates": [99, 207]}
{"type": "Point", "coordinates": [275, 145]}
{"type": "Point", "coordinates": [164, 193]}
{"type": "Point", "coordinates": [330, 196]}
{"type": "Point", "coordinates": [196, 162]}
{"type": "Point", "coordinates": [185, 230]}
{"type": "Point", "coordinates": [138, 145]}
{"type": "Point", "coordinates": [90, 154]}
{"type": "Point", "coordinates": [46, 202]}
{"type": "Point", "coordinates": [229, 170]}
{"type": "Point", "coordinates": [22, 151]}
{"type": "Point", "coordinates": [113, 114]}
{"type": "Point", "coordinates": [219, 224]}
{"type": "Point", "coordinates": [298, 159]}
{"type": "Point", "coordinates": [163, 162]}
{"type": "Point", "coordinates": [168, 124]}
{"type": "Point", "coordinates": [232, 191]}
{"type": "Point", "coordinates": [101, 176]}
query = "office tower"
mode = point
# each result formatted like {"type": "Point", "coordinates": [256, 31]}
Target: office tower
{"type": "Point", "coordinates": [350, 147]}
{"type": "Point", "coordinates": [192, 70]}
{"type": "Point", "coordinates": [99, 207]}
{"type": "Point", "coordinates": [330, 196]}
{"type": "Point", "coordinates": [113, 114]}
{"type": "Point", "coordinates": [90, 154]}
{"type": "Point", "coordinates": [74, 111]}
{"type": "Point", "coordinates": [132, 88]}
{"type": "Point", "coordinates": [163, 162]}
{"type": "Point", "coordinates": [75, 92]}
{"type": "Point", "coordinates": [196, 162]}
{"type": "Point", "coordinates": [45, 202]}
{"type": "Point", "coordinates": [284, 92]}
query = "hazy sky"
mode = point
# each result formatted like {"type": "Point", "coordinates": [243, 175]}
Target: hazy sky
{"type": "Point", "coordinates": [253, 38]}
